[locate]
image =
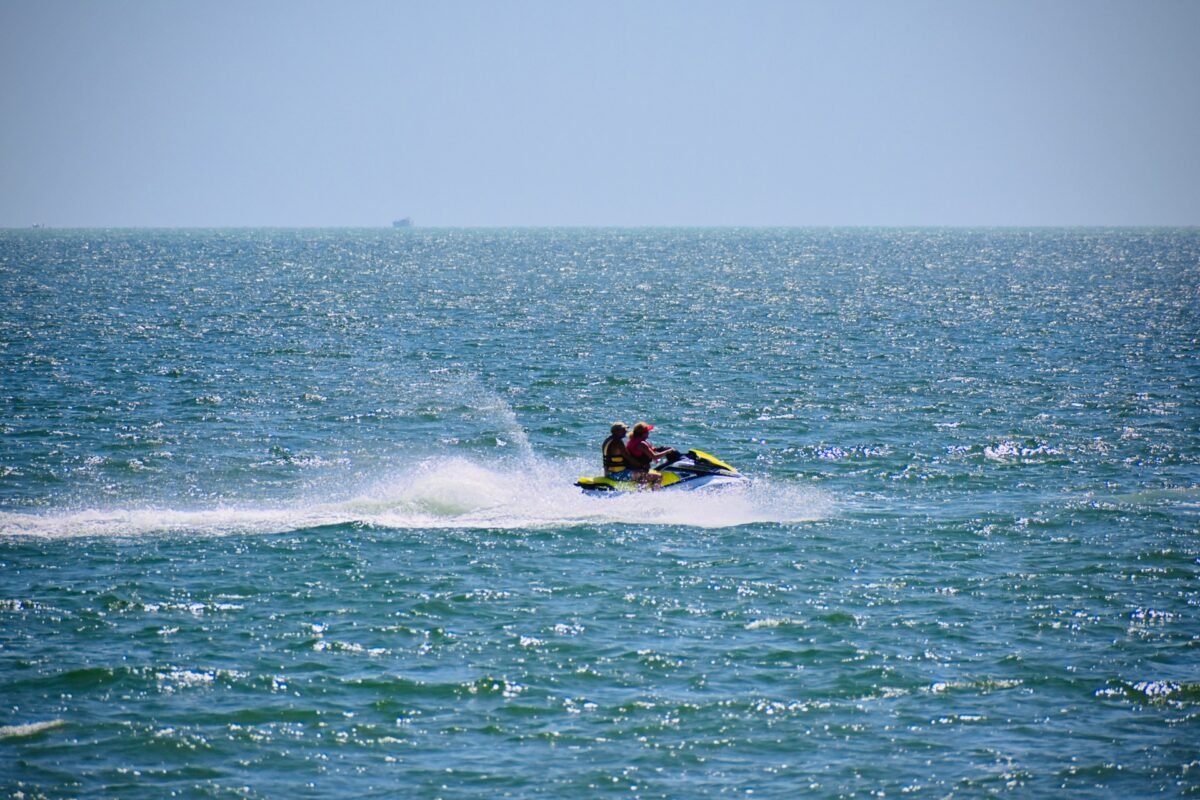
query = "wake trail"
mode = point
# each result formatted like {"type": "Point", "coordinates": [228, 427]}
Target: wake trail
{"type": "Point", "coordinates": [448, 493]}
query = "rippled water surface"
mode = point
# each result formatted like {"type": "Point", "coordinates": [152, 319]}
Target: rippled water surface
{"type": "Point", "coordinates": [290, 513]}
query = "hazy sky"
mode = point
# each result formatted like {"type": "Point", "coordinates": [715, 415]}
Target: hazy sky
{"type": "Point", "coordinates": [293, 113]}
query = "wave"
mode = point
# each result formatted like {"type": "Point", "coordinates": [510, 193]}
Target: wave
{"type": "Point", "coordinates": [450, 493]}
{"type": "Point", "coordinates": [30, 729]}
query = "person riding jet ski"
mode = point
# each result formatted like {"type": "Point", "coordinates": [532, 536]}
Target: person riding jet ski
{"type": "Point", "coordinates": [615, 456]}
{"type": "Point", "coordinates": [642, 455]}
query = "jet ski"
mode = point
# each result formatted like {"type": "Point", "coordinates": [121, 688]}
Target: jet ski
{"type": "Point", "coordinates": [696, 470]}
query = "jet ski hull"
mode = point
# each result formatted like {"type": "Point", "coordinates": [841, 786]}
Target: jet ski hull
{"type": "Point", "coordinates": [696, 470]}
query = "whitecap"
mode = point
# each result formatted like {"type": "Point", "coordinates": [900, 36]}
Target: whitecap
{"type": "Point", "coordinates": [29, 729]}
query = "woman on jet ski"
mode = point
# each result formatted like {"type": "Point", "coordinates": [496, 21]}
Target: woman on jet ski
{"type": "Point", "coordinates": [642, 455]}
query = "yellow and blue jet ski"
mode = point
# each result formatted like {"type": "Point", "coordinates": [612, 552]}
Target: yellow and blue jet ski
{"type": "Point", "coordinates": [696, 470]}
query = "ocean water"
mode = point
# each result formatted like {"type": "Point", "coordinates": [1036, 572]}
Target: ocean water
{"type": "Point", "coordinates": [290, 514]}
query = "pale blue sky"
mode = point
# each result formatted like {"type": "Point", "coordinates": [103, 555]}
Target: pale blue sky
{"type": "Point", "coordinates": [296, 113]}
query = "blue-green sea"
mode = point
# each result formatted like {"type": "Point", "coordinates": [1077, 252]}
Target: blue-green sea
{"type": "Point", "coordinates": [290, 513]}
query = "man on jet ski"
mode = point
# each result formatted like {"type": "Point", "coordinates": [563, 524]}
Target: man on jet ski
{"type": "Point", "coordinates": [642, 455]}
{"type": "Point", "coordinates": [616, 458]}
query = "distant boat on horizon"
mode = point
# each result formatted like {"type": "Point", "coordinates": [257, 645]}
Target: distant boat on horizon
{"type": "Point", "coordinates": [403, 223]}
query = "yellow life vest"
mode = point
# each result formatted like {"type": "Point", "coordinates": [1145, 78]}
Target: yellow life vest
{"type": "Point", "coordinates": [614, 460]}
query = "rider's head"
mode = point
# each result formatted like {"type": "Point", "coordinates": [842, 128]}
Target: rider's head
{"type": "Point", "coordinates": [619, 429]}
{"type": "Point", "coordinates": [642, 430]}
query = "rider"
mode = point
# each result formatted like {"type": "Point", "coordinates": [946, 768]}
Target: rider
{"type": "Point", "coordinates": [616, 458]}
{"type": "Point", "coordinates": [642, 454]}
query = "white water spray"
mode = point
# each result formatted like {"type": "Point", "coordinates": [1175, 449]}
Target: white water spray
{"type": "Point", "coordinates": [452, 493]}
